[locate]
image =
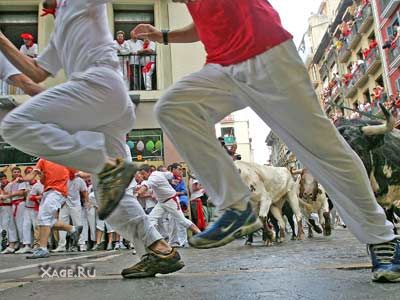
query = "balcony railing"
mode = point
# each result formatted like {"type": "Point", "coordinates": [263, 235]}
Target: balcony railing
{"type": "Point", "coordinates": [366, 19]}
{"type": "Point", "coordinates": [372, 61]}
{"type": "Point", "coordinates": [388, 7]}
{"type": "Point", "coordinates": [344, 52]}
{"type": "Point", "coordinates": [394, 54]}
{"type": "Point", "coordinates": [359, 77]}
{"type": "Point", "coordinates": [331, 57]}
{"type": "Point", "coordinates": [139, 71]}
{"type": "Point", "coordinates": [354, 38]}
{"type": "Point", "coordinates": [336, 92]}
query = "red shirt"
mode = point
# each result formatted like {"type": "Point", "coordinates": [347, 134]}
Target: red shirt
{"type": "Point", "coordinates": [54, 176]}
{"type": "Point", "coordinates": [233, 31]}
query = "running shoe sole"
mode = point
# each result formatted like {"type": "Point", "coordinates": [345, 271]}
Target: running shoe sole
{"type": "Point", "coordinates": [386, 276]}
{"type": "Point", "coordinates": [242, 231]}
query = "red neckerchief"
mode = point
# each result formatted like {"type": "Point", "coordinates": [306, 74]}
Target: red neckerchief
{"type": "Point", "coordinates": [120, 42]}
{"type": "Point", "coordinates": [48, 11]}
{"type": "Point", "coordinates": [146, 44]}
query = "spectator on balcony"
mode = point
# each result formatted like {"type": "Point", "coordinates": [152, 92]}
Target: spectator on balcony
{"type": "Point", "coordinates": [123, 51]}
{"type": "Point", "coordinates": [372, 44]}
{"type": "Point", "coordinates": [391, 43]}
{"type": "Point", "coordinates": [134, 46]}
{"type": "Point", "coordinates": [346, 28]}
{"type": "Point", "coordinates": [148, 62]}
{"type": "Point", "coordinates": [347, 78]}
{"type": "Point", "coordinates": [29, 48]}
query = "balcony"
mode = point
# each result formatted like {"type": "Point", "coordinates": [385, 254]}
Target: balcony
{"type": "Point", "coordinates": [388, 7]}
{"type": "Point", "coordinates": [331, 57]}
{"type": "Point", "coordinates": [354, 38]}
{"type": "Point", "coordinates": [366, 19]}
{"type": "Point", "coordinates": [336, 93]}
{"type": "Point", "coordinates": [373, 61]}
{"type": "Point", "coordinates": [139, 71]}
{"type": "Point", "coordinates": [394, 56]}
{"type": "Point", "coordinates": [344, 52]}
{"type": "Point", "coordinates": [323, 71]}
{"type": "Point", "coordinates": [359, 79]}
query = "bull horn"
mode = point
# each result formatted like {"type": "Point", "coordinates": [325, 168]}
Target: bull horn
{"type": "Point", "coordinates": [383, 128]}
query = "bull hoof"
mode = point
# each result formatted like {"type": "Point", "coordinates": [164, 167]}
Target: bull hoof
{"type": "Point", "coordinates": [315, 227]}
{"type": "Point", "coordinates": [327, 230]}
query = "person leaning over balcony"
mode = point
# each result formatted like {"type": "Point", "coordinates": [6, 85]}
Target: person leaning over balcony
{"type": "Point", "coordinates": [13, 76]}
{"type": "Point", "coordinates": [134, 46]}
{"type": "Point", "coordinates": [29, 48]}
{"type": "Point", "coordinates": [253, 62]}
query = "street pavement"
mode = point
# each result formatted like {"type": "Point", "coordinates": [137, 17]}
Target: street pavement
{"type": "Point", "coordinates": [322, 268]}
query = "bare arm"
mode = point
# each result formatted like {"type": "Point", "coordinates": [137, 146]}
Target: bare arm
{"type": "Point", "coordinates": [32, 175]}
{"type": "Point", "coordinates": [25, 64]}
{"type": "Point", "coordinates": [26, 84]}
{"type": "Point", "coordinates": [186, 34]}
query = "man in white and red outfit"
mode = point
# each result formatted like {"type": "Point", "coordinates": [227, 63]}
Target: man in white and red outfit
{"type": "Point", "coordinates": [31, 212]}
{"type": "Point", "coordinates": [147, 62]}
{"type": "Point", "coordinates": [168, 201]}
{"type": "Point", "coordinates": [15, 193]}
{"type": "Point", "coordinates": [124, 50]}
{"type": "Point", "coordinates": [252, 61]}
{"type": "Point", "coordinates": [29, 48]}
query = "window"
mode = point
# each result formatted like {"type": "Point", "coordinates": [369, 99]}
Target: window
{"type": "Point", "coordinates": [126, 20]}
{"type": "Point", "coordinates": [9, 155]}
{"type": "Point", "coordinates": [146, 144]}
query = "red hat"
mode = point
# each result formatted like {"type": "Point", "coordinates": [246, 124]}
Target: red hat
{"type": "Point", "coordinates": [27, 36]}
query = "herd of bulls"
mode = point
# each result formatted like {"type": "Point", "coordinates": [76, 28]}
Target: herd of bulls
{"type": "Point", "coordinates": [276, 193]}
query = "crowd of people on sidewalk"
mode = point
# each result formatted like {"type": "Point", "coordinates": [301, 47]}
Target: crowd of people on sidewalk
{"type": "Point", "coordinates": [162, 193]}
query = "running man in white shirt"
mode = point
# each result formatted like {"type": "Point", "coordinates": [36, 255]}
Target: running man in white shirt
{"type": "Point", "coordinates": [77, 194]}
{"type": "Point", "coordinates": [82, 123]}
{"type": "Point", "coordinates": [168, 201]}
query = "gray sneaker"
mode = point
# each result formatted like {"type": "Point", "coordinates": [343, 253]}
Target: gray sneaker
{"type": "Point", "coordinates": [112, 185]}
{"type": "Point", "coordinates": [39, 253]}
{"type": "Point", "coordinates": [74, 237]}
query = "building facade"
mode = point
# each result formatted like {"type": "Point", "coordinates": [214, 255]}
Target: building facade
{"type": "Point", "coordinates": [171, 63]}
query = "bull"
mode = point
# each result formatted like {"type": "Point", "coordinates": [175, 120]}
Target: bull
{"type": "Point", "coordinates": [270, 187]}
{"type": "Point", "coordinates": [378, 146]}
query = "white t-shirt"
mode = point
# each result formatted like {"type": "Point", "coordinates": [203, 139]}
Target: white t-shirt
{"type": "Point", "coordinates": [75, 187]}
{"type": "Point", "coordinates": [158, 182]}
{"type": "Point", "coordinates": [36, 190]}
{"type": "Point", "coordinates": [134, 48]}
{"type": "Point", "coordinates": [31, 52]}
{"type": "Point", "coordinates": [123, 48]}
{"type": "Point", "coordinates": [81, 38]}
{"type": "Point", "coordinates": [6, 68]}
{"type": "Point", "coordinates": [13, 187]}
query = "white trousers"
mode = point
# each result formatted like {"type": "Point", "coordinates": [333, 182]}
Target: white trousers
{"type": "Point", "coordinates": [89, 223]}
{"type": "Point", "coordinates": [171, 209]}
{"type": "Point", "coordinates": [5, 217]}
{"type": "Point", "coordinates": [277, 87]}
{"type": "Point", "coordinates": [30, 222]}
{"type": "Point", "coordinates": [178, 233]}
{"type": "Point", "coordinates": [78, 124]}
{"type": "Point", "coordinates": [15, 229]}
{"type": "Point", "coordinates": [66, 214]}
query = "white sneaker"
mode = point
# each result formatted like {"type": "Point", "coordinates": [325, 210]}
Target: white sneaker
{"type": "Point", "coordinates": [117, 246]}
{"type": "Point", "coordinates": [8, 250]}
{"type": "Point", "coordinates": [109, 247]}
{"type": "Point", "coordinates": [24, 250]}
{"type": "Point", "coordinates": [133, 251]}
{"type": "Point", "coordinates": [83, 248]}
{"type": "Point", "coordinates": [59, 249]}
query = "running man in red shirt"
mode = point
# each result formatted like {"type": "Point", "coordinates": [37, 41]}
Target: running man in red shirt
{"type": "Point", "coordinates": [55, 179]}
{"type": "Point", "coordinates": [252, 61]}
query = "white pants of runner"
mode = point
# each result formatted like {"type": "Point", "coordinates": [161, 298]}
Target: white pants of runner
{"type": "Point", "coordinates": [178, 233]}
{"type": "Point", "coordinates": [30, 221]}
{"type": "Point", "coordinates": [89, 223]}
{"type": "Point", "coordinates": [171, 209]}
{"type": "Point", "coordinates": [68, 213]}
{"type": "Point", "coordinates": [16, 226]}
{"type": "Point", "coordinates": [5, 217]}
{"type": "Point", "coordinates": [79, 124]}
{"type": "Point", "coordinates": [277, 87]}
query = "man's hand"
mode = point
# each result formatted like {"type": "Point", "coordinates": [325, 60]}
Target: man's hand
{"type": "Point", "coordinates": [147, 31]}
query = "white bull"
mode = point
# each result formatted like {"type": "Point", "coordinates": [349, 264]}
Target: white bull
{"type": "Point", "coordinates": [313, 199]}
{"type": "Point", "coordinates": [271, 187]}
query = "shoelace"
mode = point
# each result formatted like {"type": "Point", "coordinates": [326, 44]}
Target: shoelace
{"type": "Point", "coordinates": [384, 252]}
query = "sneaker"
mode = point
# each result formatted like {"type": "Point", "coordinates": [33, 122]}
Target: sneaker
{"type": "Point", "coordinates": [122, 246]}
{"type": "Point", "coordinates": [39, 253]}
{"type": "Point", "coordinates": [231, 225]}
{"type": "Point", "coordinates": [133, 251]}
{"type": "Point", "coordinates": [58, 249]}
{"type": "Point", "coordinates": [385, 261]}
{"type": "Point", "coordinates": [109, 247]}
{"type": "Point", "coordinates": [112, 185]}
{"type": "Point", "coordinates": [74, 237]}
{"type": "Point", "coordinates": [24, 250]}
{"type": "Point", "coordinates": [153, 263]}
{"type": "Point", "coordinates": [83, 248]}
{"type": "Point", "coordinates": [117, 246]}
{"type": "Point", "coordinates": [96, 247]}
{"type": "Point", "coordinates": [8, 250]}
